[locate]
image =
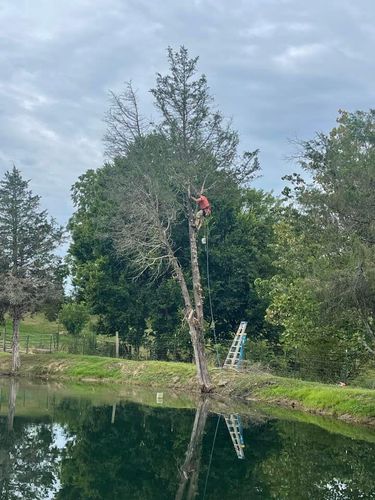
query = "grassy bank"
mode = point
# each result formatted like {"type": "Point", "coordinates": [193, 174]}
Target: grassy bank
{"type": "Point", "coordinates": [352, 404]}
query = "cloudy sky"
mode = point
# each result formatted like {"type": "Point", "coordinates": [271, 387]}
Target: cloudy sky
{"type": "Point", "coordinates": [279, 68]}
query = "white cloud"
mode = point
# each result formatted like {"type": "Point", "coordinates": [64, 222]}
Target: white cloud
{"type": "Point", "coordinates": [294, 56]}
{"type": "Point", "coordinates": [270, 65]}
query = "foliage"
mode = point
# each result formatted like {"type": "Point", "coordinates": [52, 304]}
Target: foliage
{"type": "Point", "coordinates": [74, 316]}
{"type": "Point", "coordinates": [240, 238]}
{"type": "Point", "coordinates": [147, 186]}
{"type": "Point", "coordinates": [101, 278]}
{"type": "Point", "coordinates": [240, 234]}
{"type": "Point", "coordinates": [29, 268]}
{"type": "Point", "coordinates": [323, 294]}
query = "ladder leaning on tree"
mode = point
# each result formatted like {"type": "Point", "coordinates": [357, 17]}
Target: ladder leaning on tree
{"type": "Point", "coordinates": [236, 351]}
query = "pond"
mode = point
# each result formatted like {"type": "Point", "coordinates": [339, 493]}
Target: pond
{"type": "Point", "coordinates": [98, 442]}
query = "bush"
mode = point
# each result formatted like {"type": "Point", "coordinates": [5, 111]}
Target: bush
{"type": "Point", "coordinates": [74, 317]}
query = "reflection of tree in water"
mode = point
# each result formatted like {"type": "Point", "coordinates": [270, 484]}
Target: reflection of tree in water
{"type": "Point", "coordinates": [318, 465]}
{"type": "Point", "coordinates": [152, 453]}
{"type": "Point", "coordinates": [28, 457]}
{"type": "Point", "coordinates": [135, 457]}
{"type": "Point", "coordinates": [190, 468]}
{"type": "Point", "coordinates": [13, 389]}
{"type": "Point", "coordinates": [158, 453]}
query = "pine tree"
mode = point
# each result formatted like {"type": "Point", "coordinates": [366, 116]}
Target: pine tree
{"type": "Point", "coordinates": [28, 264]}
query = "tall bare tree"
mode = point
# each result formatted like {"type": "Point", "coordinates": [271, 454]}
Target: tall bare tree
{"type": "Point", "coordinates": [28, 264]}
{"type": "Point", "coordinates": [157, 170]}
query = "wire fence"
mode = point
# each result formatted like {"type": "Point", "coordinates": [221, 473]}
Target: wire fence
{"type": "Point", "coordinates": [325, 366]}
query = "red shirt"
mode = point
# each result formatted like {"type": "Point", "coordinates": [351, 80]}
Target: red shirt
{"type": "Point", "coordinates": [203, 203]}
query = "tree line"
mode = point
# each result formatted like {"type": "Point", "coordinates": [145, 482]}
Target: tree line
{"type": "Point", "coordinates": [298, 266]}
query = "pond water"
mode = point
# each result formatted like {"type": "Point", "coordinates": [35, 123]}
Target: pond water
{"type": "Point", "coordinates": [88, 442]}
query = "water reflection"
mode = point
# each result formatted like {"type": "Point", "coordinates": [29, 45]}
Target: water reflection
{"type": "Point", "coordinates": [63, 445]}
{"type": "Point", "coordinates": [190, 469]}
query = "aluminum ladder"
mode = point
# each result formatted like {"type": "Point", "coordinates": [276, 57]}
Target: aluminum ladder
{"type": "Point", "coordinates": [234, 425]}
{"type": "Point", "coordinates": [236, 351]}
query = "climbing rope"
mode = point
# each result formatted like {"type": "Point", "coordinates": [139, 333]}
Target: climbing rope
{"type": "Point", "coordinates": [210, 299]}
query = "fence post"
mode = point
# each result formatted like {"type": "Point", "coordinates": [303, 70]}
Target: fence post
{"type": "Point", "coordinates": [50, 345]}
{"type": "Point", "coordinates": [57, 341]}
{"type": "Point", "coordinates": [27, 344]}
{"type": "Point", "coordinates": [5, 341]}
{"type": "Point", "coordinates": [117, 346]}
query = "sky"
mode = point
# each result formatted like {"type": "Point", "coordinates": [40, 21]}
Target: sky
{"type": "Point", "coordinates": [280, 69]}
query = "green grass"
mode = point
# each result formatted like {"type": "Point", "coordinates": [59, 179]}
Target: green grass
{"type": "Point", "coordinates": [36, 331]}
{"type": "Point", "coordinates": [34, 326]}
{"type": "Point", "coordinates": [366, 378]}
{"type": "Point", "coordinates": [348, 403]}
{"type": "Point", "coordinates": [329, 399]}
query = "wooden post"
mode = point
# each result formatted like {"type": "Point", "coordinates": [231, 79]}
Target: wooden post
{"type": "Point", "coordinates": [5, 340]}
{"type": "Point", "coordinates": [117, 346]}
{"type": "Point", "coordinates": [50, 344]}
{"type": "Point", "coordinates": [57, 341]}
{"type": "Point", "coordinates": [27, 344]}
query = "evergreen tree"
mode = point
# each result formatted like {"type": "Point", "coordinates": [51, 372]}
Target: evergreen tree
{"type": "Point", "coordinates": [28, 265]}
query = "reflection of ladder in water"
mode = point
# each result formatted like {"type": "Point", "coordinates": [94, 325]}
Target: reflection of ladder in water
{"type": "Point", "coordinates": [234, 425]}
{"type": "Point", "coordinates": [236, 351]}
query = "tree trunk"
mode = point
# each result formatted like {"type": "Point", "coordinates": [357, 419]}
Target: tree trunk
{"type": "Point", "coordinates": [196, 329]}
{"type": "Point", "coordinates": [200, 356]}
{"type": "Point", "coordinates": [198, 300]}
{"type": "Point", "coordinates": [16, 360]}
{"type": "Point", "coordinates": [190, 467]}
{"type": "Point", "coordinates": [197, 287]}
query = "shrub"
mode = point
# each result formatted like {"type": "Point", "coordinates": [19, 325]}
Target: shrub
{"type": "Point", "coordinates": [74, 317]}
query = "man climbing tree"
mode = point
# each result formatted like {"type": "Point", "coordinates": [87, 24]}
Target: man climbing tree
{"type": "Point", "coordinates": [154, 173]}
{"type": "Point", "coordinates": [204, 210]}
{"type": "Point", "coordinates": [28, 265]}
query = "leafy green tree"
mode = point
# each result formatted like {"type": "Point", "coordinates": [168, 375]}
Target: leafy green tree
{"type": "Point", "coordinates": [102, 279]}
{"type": "Point", "coordinates": [240, 250]}
{"type": "Point", "coordinates": [339, 204]}
{"type": "Point", "coordinates": [74, 316]}
{"type": "Point", "coordinates": [28, 264]}
{"type": "Point", "coordinates": [323, 293]}
{"type": "Point", "coordinates": [240, 236]}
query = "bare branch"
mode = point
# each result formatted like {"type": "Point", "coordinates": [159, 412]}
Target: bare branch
{"type": "Point", "coordinates": [124, 123]}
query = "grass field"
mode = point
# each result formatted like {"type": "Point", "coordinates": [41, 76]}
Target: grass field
{"type": "Point", "coordinates": [36, 331]}
{"type": "Point", "coordinates": [35, 326]}
{"type": "Point", "coordinates": [39, 333]}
